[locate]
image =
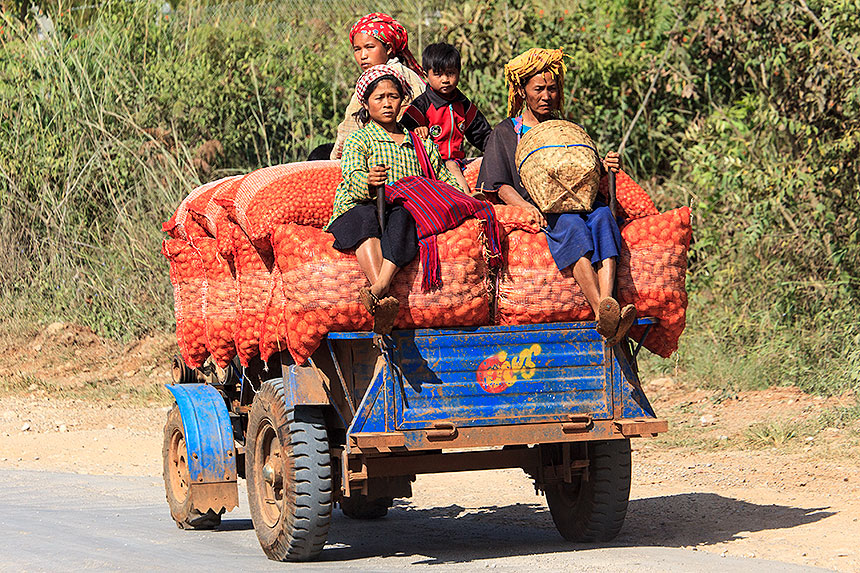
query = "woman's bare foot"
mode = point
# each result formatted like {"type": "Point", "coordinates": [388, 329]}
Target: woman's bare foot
{"type": "Point", "coordinates": [369, 300]}
{"type": "Point", "coordinates": [386, 314]}
{"type": "Point", "coordinates": [628, 317]}
{"type": "Point", "coordinates": [379, 291]}
{"type": "Point", "coordinates": [608, 315]}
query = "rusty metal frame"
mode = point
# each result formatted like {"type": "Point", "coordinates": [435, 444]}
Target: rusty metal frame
{"type": "Point", "coordinates": [431, 463]}
{"type": "Point", "coordinates": [641, 341]}
{"type": "Point", "coordinates": [361, 469]}
{"type": "Point", "coordinates": [350, 401]}
{"type": "Point", "coordinates": [218, 497]}
{"type": "Point", "coordinates": [504, 435]}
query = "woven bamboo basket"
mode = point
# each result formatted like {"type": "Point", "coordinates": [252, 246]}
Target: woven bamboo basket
{"type": "Point", "coordinates": [559, 166]}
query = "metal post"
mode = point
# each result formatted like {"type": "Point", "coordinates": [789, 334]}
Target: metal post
{"type": "Point", "coordinates": [380, 205]}
{"type": "Point", "coordinates": [613, 202]}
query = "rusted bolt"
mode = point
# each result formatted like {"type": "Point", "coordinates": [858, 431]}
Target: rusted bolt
{"type": "Point", "coordinates": [268, 474]}
{"type": "Point", "coordinates": [230, 454]}
{"type": "Point", "coordinates": [200, 478]}
{"type": "Point", "coordinates": [226, 476]}
{"type": "Point", "coordinates": [194, 455]}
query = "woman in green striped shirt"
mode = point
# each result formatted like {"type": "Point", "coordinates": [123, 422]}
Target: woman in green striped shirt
{"type": "Point", "coordinates": [381, 152]}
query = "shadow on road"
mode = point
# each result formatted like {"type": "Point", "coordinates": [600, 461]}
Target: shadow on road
{"type": "Point", "coordinates": [228, 524]}
{"type": "Point", "coordinates": [706, 519]}
{"type": "Point", "coordinates": [452, 535]}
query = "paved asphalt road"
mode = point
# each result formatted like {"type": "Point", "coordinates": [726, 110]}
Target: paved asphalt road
{"type": "Point", "coordinates": [69, 522]}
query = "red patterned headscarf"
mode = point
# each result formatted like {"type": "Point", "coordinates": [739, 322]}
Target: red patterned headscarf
{"type": "Point", "coordinates": [388, 31]}
{"type": "Point", "coordinates": [375, 72]}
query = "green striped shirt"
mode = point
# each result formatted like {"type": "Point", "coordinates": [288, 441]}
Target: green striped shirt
{"type": "Point", "coordinates": [372, 145]}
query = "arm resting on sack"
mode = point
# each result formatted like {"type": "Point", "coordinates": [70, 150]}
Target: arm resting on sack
{"type": "Point", "coordinates": [509, 196]}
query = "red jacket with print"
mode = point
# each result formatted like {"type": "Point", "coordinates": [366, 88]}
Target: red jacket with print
{"type": "Point", "coordinates": [450, 122]}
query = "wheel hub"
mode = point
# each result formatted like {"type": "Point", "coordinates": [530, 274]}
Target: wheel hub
{"type": "Point", "coordinates": [270, 484]}
{"type": "Point", "coordinates": [270, 476]}
{"type": "Point", "coordinates": [179, 476]}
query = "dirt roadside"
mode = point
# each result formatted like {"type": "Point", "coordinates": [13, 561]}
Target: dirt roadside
{"type": "Point", "coordinates": [757, 474]}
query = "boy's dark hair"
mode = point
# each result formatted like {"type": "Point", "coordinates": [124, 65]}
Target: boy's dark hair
{"type": "Point", "coordinates": [440, 57]}
{"type": "Point", "coordinates": [362, 116]}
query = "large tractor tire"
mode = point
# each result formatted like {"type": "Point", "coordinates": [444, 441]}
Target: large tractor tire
{"type": "Point", "coordinates": [593, 510]}
{"type": "Point", "coordinates": [289, 475]}
{"type": "Point", "coordinates": [177, 478]}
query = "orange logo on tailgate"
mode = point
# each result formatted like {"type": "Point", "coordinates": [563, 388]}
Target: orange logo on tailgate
{"type": "Point", "coordinates": [498, 372]}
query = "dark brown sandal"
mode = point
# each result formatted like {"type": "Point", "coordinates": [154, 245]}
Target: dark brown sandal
{"type": "Point", "coordinates": [608, 314]}
{"type": "Point", "coordinates": [385, 315]}
{"type": "Point", "coordinates": [628, 317]}
{"type": "Point", "coordinates": [368, 299]}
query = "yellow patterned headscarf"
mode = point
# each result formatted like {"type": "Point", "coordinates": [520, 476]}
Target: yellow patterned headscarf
{"type": "Point", "coordinates": [527, 64]}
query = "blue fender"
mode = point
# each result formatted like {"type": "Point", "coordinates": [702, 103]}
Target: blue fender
{"type": "Point", "coordinates": [208, 433]}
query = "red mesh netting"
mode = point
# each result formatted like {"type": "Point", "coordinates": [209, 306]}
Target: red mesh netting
{"type": "Point", "coordinates": [274, 333]}
{"type": "Point", "coordinates": [219, 304]}
{"type": "Point", "coordinates": [532, 290]}
{"type": "Point", "coordinates": [250, 307]}
{"type": "Point", "coordinates": [187, 277]}
{"type": "Point", "coordinates": [321, 286]}
{"type": "Point", "coordinates": [301, 193]}
{"type": "Point", "coordinates": [651, 274]}
{"type": "Point", "coordinates": [181, 225]}
{"type": "Point", "coordinates": [633, 201]}
{"type": "Point", "coordinates": [512, 218]}
{"type": "Point", "coordinates": [471, 172]}
{"type": "Point", "coordinates": [254, 284]}
{"type": "Point", "coordinates": [213, 217]}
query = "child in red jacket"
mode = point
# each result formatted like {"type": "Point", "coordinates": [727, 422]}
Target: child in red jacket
{"type": "Point", "coordinates": [445, 112]}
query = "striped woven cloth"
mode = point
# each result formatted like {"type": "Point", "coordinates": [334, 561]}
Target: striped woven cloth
{"type": "Point", "coordinates": [438, 207]}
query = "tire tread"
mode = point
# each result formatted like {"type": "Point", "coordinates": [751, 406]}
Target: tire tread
{"type": "Point", "coordinates": [302, 534]}
{"type": "Point", "coordinates": [600, 508]}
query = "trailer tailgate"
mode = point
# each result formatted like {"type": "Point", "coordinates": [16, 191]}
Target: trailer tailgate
{"type": "Point", "coordinates": [518, 374]}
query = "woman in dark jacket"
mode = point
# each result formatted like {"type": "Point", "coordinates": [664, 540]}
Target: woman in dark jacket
{"type": "Point", "coordinates": [590, 242]}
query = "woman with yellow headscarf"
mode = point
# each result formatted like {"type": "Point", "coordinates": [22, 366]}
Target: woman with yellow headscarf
{"type": "Point", "coordinates": [587, 243]}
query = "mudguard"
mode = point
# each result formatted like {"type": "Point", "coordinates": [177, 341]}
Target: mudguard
{"type": "Point", "coordinates": [208, 434]}
{"type": "Point", "coordinates": [304, 386]}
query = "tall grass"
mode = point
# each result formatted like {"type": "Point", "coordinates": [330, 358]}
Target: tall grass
{"type": "Point", "coordinates": [105, 127]}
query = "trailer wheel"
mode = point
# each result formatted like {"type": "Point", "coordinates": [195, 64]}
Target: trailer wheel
{"type": "Point", "coordinates": [360, 507]}
{"type": "Point", "coordinates": [177, 478]}
{"type": "Point", "coordinates": [594, 509]}
{"type": "Point", "coordinates": [289, 477]}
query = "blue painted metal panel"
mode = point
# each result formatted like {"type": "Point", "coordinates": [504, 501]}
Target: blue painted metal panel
{"type": "Point", "coordinates": [628, 397]}
{"type": "Point", "coordinates": [634, 403]}
{"type": "Point", "coordinates": [370, 414]}
{"type": "Point", "coordinates": [208, 432]}
{"type": "Point", "coordinates": [490, 375]}
{"type": "Point", "coordinates": [501, 375]}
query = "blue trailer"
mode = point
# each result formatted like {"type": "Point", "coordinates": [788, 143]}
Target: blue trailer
{"type": "Point", "coordinates": [367, 413]}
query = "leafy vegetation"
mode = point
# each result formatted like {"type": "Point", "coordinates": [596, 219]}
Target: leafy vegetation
{"type": "Point", "coordinates": [754, 122]}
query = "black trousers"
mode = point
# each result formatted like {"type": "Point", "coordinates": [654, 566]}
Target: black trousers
{"type": "Point", "coordinates": [399, 241]}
